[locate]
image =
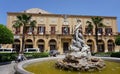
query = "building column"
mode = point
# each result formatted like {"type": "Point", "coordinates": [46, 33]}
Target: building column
{"type": "Point", "coordinates": [35, 44]}
{"type": "Point", "coordinates": [47, 45]}
{"type": "Point", "coordinates": [60, 46]}
{"type": "Point", "coordinates": [20, 44]}
{"type": "Point", "coordinates": [106, 46]}
{"type": "Point", "coordinates": [95, 47]}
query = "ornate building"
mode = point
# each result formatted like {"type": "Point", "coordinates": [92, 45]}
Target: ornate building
{"type": "Point", "coordinates": [55, 31]}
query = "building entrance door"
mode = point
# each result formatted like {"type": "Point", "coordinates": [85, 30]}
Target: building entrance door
{"type": "Point", "coordinates": [52, 47]}
{"type": "Point", "coordinates": [65, 47]}
{"type": "Point", "coordinates": [41, 48]}
{"type": "Point", "coordinates": [101, 48]}
{"type": "Point", "coordinates": [16, 47]}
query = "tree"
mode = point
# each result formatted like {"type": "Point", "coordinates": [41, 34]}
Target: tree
{"type": "Point", "coordinates": [97, 21]}
{"type": "Point", "coordinates": [24, 20]}
{"type": "Point", "coordinates": [6, 36]}
{"type": "Point", "coordinates": [117, 40]}
{"type": "Point", "coordinates": [90, 26]}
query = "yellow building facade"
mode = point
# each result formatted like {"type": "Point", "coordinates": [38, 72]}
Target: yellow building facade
{"type": "Point", "coordinates": [55, 31]}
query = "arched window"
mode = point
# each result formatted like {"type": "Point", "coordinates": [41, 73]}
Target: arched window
{"type": "Point", "coordinates": [52, 44]}
{"type": "Point", "coordinates": [111, 45]}
{"type": "Point", "coordinates": [90, 43]}
{"type": "Point", "coordinates": [28, 43]}
{"type": "Point", "coordinates": [101, 47]}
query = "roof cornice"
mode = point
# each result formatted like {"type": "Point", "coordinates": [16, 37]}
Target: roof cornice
{"type": "Point", "coordinates": [62, 15]}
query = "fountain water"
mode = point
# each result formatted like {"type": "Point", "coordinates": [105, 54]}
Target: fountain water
{"type": "Point", "coordinates": [80, 59]}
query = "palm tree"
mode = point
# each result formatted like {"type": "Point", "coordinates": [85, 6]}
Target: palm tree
{"type": "Point", "coordinates": [97, 21]}
{"type": "Point", "coordinates": [90, 26]}
{"type": "Point", "coordinates": [33, 25]}
{"type": "Point", "coordinates": [24, 20]}
{"type": "Point", "coordinates": [16, 24]}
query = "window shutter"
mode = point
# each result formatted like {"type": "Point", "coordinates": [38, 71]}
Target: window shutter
{"type": "Point", "coordinates": [52, 29]}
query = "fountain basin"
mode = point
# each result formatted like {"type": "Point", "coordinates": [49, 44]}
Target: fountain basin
{"type": "Point", "coordinates": [20, 67]}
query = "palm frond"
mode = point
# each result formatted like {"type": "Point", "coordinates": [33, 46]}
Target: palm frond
{"type": "Point", "coordinates": [17, 24]}
{"type": "Point", "coordinates": [19, 17]}
{"type": "Point", "coordinates": [101, 25]}
{"type": "Point", "coordinates": [33, 23]}
{"type": "Point", "coordinates": [88, 22]}
{"type": "Point", "coordinates": [90, 26]}
{"type": "Point", "coordinates": [97, 20]}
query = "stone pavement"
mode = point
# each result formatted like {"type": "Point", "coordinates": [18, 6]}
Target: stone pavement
{"type": "Point", "coordinates": [7, 68]}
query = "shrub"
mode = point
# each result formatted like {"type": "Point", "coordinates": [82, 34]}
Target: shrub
{"type": "Point", "coordinates": [117, 40]}
{"type": "Point", "coordinates": [115, 54]}
{"type": "Point", "coordinates": [102, 54]}
{"type": "Point", "coordinates": [6, 57]}
{"type": "Point", "coordinates": [36, 55]}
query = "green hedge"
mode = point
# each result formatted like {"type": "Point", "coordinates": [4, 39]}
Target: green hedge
{"type": "Point", "coordinates": [107, 54]}
{"type": "Point", "coordinates": [102, 54]}
{"type": "Point", "coordinates": [36, 55]}
{"type": "Point", "coordinates": [6, 57]}
{"type": "Point", "coordinates": [115, 54]}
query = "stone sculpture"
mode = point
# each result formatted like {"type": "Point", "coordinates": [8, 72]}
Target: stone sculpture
{"type": "Point", "coordinates": [78, 44]}
{"type": "Point", "coordinates": [80, 58]}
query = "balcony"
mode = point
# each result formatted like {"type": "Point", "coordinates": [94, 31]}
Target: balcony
{"type": "Point", "coordinates": [16, 36]}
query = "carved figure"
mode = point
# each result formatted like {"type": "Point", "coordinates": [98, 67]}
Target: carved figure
{"type": "Point", "coordinates": [78, 43]}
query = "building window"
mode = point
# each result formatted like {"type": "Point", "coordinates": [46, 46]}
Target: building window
{"type": "Point", "coordinates": [108, 31]}
{"type": "Point", "coordinates": [65, 30]}
{"type": "Point", "coordinates": [17, 31]}
{"type": "Point", "coordinates": [88, 31]}
{"type": "Point", "coordinates": [52, 29]}
{"type": "Point", "coordinates": [41, 30]}
{"type": "Point", "coordinates": [29, 30]}
{"type": "Point", "coordinates": [100, 31]}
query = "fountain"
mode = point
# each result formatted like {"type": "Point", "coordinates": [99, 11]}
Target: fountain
{"type": "Point", "coordinates": [80, 59]}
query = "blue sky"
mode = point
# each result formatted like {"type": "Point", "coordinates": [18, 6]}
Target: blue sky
{"type": "Point", "coordinates": [75, 7]}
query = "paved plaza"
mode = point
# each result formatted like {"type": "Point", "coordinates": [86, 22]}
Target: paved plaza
{"type": "Point", "coordinates": [7, 68]}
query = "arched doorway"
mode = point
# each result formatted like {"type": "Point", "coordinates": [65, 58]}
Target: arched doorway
{"type": "Point", "coordinates": [90, 43]}
{"type": "Point", "coordinates": [28, 43]}
{"type": "Point", "coordinates": [16, 45]}
{"type": "Point", "coordinates": [65, 44]}
{"type": "Point", "coordinates": [101, 47]}
{"type": "Point", "coordinates": [111, 45]}
{"type": "Point", "coordinates": [52, 44]}
{"type": "Point", "coordinates": [41, 45]}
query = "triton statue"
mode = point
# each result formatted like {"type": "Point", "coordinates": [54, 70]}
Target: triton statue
{"type": "Point", "coordinates": [79, 58]}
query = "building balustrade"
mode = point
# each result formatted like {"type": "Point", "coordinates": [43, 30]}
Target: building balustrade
{"type": "Point", "coordinates": [67, 34]}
